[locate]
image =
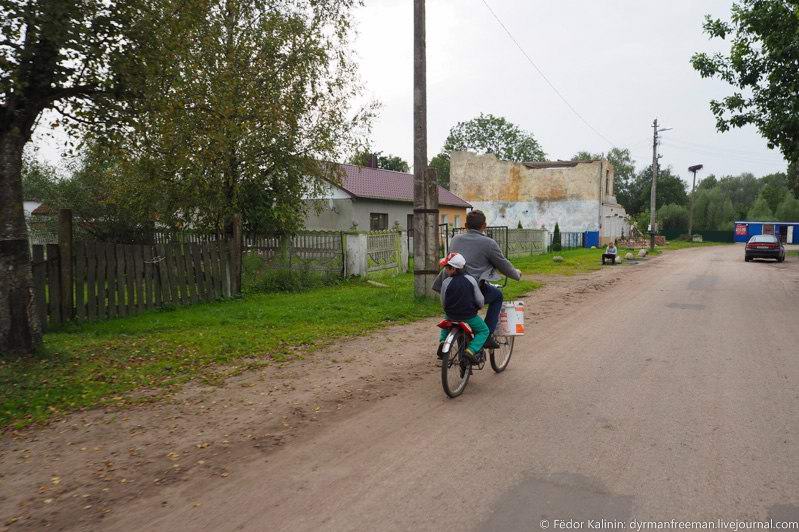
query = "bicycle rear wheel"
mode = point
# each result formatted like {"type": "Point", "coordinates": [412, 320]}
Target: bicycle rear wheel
{"type": "Point", "coordinates": [455, 366]}
{"type": "Point", "coordinates": [500, 358]}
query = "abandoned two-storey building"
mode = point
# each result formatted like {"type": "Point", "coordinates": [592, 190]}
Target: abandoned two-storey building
{"type": "Point", "coordinates": [577, 195]}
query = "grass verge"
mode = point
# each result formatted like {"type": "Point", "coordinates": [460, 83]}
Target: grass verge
{"type": "Point", "coordinates": [86, 365]}
{"type": "Point", "coordinates": [575, 261]}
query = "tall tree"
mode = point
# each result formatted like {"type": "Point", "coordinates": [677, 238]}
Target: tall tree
{"type": "Point", "coordinates": [64, 55]}
{"type": "Point", "coordinates": [441, 164]}
{"type": "Point", "coordinates": [670, 189]}
{"type": "Point", "coordinates": [760, 211]}
{"type": "Point", "coordinates": [494, 134]}
{"type": "Point", "coordinates": [762, 67]}
{"type": "Point", "coordinates": [260, 97]}
{"type": "Point", "coordinates": [673, 217]}
{"type": "Point", "coordinates": [386, 162]}
{"type": "Point", "coordinates": [788, 210]}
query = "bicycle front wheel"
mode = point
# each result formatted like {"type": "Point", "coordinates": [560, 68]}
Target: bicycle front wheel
{"type": "Point", "coordinates": [455, 366]}
{"type": "Point", "coordinates": [500, 358]}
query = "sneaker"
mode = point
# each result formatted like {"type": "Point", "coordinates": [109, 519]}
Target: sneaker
{"type": "Point", "coordinates": [491, 343]}
{"type": "Point", "coordinates": [472, 356]}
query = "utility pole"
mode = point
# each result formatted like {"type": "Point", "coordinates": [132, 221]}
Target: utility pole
{"type": "Point", "coordinates": [425, 192]}
{"type": "Point", "coordinates": [652, 195]}
{"type": "Point", "coordinates": [695, 168]}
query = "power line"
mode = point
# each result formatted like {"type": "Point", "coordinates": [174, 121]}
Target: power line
{"type": "Point", "coordinates": [721, 155]}
{"type": "Point", "coordinates": [541, 73]}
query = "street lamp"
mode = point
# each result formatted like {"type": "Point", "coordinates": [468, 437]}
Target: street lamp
{"type": "Point", "coordinates": [694, 169]}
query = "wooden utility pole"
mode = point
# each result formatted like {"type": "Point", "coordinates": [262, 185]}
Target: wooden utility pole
{"type": "Point", "coordinates": [425, 192]}
{"type": "Point", "coordinates": [652, 206]}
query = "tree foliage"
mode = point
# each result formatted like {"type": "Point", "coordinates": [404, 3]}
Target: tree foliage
{"type": "Point", "coordinates": [670, 188]}
{"type": "Point", "coordinates": [672, 217]}
{"type": "Point", "coordinates": [255, 99]}
{"type": "Point", "coordinates": [386, 162]}
{"type": "Point", "coordinates": [788, 210]}
{"type": "Point", "coordinates": [494, 134]}
{"type": "Point", "coordinates": [762, 67]}
{"type": "Point", "coordinates": [760, 211]}
{"type": "Point", "coordinates": [713, 210]}
{"type": "Point", "coordinates": [441, 164]}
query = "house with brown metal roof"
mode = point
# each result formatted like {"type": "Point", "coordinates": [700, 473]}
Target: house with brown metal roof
{"type": "Point", "coordinates": [373, 199]}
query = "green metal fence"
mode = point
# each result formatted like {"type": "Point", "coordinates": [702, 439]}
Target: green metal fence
{"type": "Point", "coordinates": [707, 236]}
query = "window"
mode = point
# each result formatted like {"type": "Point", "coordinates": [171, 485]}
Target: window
{"type": "Point", "coordinates": [607, 181]}
{"type": "Point", "coordinates": [410, 222]}
{"type": "Point", "coordinates": [444, 218]}
{"type": "Point", "coordinates": [457, 220]}
{"type": "Point", "coordinates": [378, 221]}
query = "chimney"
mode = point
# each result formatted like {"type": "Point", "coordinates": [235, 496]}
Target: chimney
{"type": "Point", "coordinates": [371, 161]}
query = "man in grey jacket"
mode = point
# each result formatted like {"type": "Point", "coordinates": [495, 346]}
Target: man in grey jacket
{"type": "Point", "coordinates": [483, 259]}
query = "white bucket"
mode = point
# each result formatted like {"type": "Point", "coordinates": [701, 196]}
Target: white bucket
{"type": "Point", "coordinates": [511, 319]}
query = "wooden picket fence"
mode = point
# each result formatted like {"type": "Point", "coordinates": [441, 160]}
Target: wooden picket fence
{"type": "Point", "coordinates": [107, 280]}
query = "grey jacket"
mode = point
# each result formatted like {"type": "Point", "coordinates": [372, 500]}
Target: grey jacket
{"type": "Point", "coordinates": [483, 258]}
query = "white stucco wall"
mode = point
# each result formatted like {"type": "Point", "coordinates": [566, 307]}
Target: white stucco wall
{"type": "Point", "coordinates": [570, 215]}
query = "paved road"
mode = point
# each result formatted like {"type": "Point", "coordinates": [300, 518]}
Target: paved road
{"type": "Point", "coordinates": [671, 395]}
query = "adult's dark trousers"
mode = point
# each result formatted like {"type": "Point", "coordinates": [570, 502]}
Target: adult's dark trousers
{"type": "Point", "coordinates": [493, 298]}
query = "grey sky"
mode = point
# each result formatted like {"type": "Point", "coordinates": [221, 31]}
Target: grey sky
{"type": "Point", "coordinates": [620, 63]}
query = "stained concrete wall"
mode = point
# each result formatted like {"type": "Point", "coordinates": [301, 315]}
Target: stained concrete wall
{"type": "Point", "coordinates": [578, 197]}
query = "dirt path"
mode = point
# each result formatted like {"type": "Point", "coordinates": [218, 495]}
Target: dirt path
{"type": "Point", "coordinates": [77, 472]}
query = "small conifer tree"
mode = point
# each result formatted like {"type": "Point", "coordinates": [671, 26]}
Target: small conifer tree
{"type": "Point", "coordinates": [556, 238]}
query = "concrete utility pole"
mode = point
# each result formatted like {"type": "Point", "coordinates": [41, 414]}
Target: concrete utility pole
{"type": "Point", "coordinates": [694, 169]}
{"type": "Point", "coordinates": [652, 195]}
{"type": "Point", "coordinates": [425, 192]}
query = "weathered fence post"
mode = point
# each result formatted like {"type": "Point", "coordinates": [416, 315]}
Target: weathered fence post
{"type": "Point", "coordinates": [357, 254]}
{"type": "Point", "coordinates": [65, 262]}
{"type": "Point", "coordinates": [235, 255]}
{"type": "Point", "coordinates": [403, 243]}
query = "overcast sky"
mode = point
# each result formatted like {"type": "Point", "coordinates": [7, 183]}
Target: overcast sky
{"type": "Point", "coordinates": [619, 63]}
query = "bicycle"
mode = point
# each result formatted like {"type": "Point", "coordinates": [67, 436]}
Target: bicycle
{"type": "Point", "coordinates": [456, 368]}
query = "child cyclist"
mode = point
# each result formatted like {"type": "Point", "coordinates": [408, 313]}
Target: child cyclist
{"type": "Point", "coordinates": [461, 298]}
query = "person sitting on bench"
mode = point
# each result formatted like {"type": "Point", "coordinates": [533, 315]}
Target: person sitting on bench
{"type": "Point", "coordinates": [610, 253]}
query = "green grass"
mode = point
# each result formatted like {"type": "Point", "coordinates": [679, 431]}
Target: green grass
{"type": "Point", "coordinates": [682, 244]}
{"type": "Point", "coordinates": [91, 364]}
{"type": "Point", "coordinates": [575, 261]}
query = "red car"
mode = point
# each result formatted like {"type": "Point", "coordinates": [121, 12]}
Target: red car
{"type": "Point", "coordinates": [764, 247]}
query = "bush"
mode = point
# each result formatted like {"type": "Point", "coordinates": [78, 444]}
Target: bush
{"type": "Point", "coordinates": [291, 281]}
{"type": "Point", "coordinates": [257, 276]}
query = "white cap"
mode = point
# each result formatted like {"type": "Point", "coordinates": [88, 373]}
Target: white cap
{"type": "Point", "coordinates": [455, 260]}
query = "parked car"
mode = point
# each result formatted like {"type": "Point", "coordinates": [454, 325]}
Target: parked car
{"type": "Point", "coordinates": [764, 247]}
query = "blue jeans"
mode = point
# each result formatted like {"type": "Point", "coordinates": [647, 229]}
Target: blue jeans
{"type": "Point", "coordinates": [493, 298]}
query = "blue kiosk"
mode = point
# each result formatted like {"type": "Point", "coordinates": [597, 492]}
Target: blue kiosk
{"type": "Point", "coordinates": [786, 232]}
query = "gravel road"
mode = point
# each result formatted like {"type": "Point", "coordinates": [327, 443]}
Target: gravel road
{"type": "Point", "coordinates": [670, 394]}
